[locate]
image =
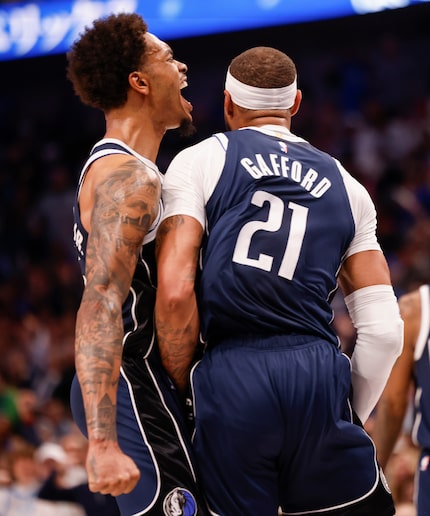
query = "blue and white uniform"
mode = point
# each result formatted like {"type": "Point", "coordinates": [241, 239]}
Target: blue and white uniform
{"type": "Point", "coordinates": [274, 426]}
{"type": "Point", "coordinates": [150, 424]}
{"type": "Point", "coordinates": [421, 427]}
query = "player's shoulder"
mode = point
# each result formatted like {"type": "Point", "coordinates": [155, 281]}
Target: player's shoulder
{"type": "Point", "coordinates": [355, 188]}
{"type": "Point", "coordinates": [201, 150]}
{"type": "Point", "coordinates": [123, 165]}
{"type": "Point", "coordinates": [112, 157]}
{"type": "Point", "coordinates": [212, 141]}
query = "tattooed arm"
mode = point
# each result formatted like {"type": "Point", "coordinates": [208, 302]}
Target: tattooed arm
{"type": "Point", "coordinates": [176, 316]}
{"type": "Point", "coordinates": [118, 203]}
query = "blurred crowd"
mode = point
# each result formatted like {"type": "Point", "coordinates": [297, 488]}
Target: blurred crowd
{"type": "Point", "coordinates": [366, 101]}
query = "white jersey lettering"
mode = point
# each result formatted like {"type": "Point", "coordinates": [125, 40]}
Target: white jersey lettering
{"type": "Point", "coordinates": [280, 166]}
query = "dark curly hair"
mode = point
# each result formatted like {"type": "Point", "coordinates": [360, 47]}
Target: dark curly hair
{"type": "Point", "coordinates": [101, 59]}
{"type": "Point", "coordinates": [263, 67]}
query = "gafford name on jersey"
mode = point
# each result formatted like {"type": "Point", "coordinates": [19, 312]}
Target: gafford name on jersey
{"type": "Point", "coordinates": [282, 166]}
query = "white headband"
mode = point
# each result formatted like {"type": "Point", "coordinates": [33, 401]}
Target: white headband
{"type": "Point", "coordinates": [251, 97]}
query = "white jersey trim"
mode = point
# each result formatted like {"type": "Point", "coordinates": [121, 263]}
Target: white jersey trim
{"type": "Point", "coordinates": [152, 231]}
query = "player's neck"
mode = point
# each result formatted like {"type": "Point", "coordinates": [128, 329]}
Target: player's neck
{"type": "Point", "coordinates": [261, 118]}
{"type": "Point", "coordinates": [142, 137]}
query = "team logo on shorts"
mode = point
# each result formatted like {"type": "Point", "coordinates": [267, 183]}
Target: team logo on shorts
{"type": "Point", "coordinates": [179, 502]}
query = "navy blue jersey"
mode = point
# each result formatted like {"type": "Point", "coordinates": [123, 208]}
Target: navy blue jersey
{"type": "Point", "coordinates": [280, 222]}
{"type": "Point", "coordinates": [138, 308]}
{"type": "Point", "coordinates": [421, 429]}
{"type": "Point", "coordinates": [273, 420]}
{"type": "Point", "coordinates": [151, 426]}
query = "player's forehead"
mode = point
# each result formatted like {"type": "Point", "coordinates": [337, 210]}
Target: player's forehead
{"type": "Point", "coordinates": [155, 46]}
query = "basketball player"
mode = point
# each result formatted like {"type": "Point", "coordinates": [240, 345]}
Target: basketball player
{"type": "Point", "coordinates": [411, 369]}
{"type": "Point", "coordinates": [122, 399]}
{"type": "Point", "coordinates": [280, 224]}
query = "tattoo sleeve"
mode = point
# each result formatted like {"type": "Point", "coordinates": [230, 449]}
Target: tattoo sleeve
{"type": "Point", "coordinates": [124, 206]}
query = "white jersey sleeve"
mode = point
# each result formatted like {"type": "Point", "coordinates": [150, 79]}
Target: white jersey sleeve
{"type": "Point", "coordinates": [194, 172]}
{"type": "Point", "coordinates": [364, 215]}
{"type": "Point", "coordinates": [191, 178]}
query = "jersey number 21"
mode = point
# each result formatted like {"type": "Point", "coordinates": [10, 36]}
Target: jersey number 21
{"type": "Point", "coordinates": [273, 223]}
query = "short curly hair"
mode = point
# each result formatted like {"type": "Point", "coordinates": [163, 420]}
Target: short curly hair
{"type": "Point", "coordinates": [101, 59]}
{"type": "Point", "coordinates": [264, 67]}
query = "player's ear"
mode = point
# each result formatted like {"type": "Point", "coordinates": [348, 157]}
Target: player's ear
{"type": "Point", "coordinates": [228, 104]}
{"type": "Point", "coordinates": [297, 101]}
{"type": "Point", "coordinates": [138, 82]}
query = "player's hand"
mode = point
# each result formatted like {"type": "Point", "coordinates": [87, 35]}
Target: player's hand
{"type": "Point", "coordinates": [109, 470]}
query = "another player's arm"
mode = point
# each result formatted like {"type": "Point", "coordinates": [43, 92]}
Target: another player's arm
{"type": "Point", "coordinates": [124, 202]}
{"type": "Point", "coordinates": [391, 409]}
{"type": "Point", "coordinates": [366, 283]}
{"type": "Point", "coordinates": [176, 316]}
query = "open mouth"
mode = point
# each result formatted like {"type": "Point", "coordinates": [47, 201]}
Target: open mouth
{"type": "Point", "coordinates": [184, 100]}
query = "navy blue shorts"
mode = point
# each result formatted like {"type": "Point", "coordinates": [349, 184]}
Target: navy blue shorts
{"type": "Point", "coordinates": [152, 430]}
{"type": "Point", "coordinates": [274, 428]}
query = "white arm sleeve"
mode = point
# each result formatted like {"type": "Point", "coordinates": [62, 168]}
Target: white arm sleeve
{"type": "Point", "coordinates": [375, 314]}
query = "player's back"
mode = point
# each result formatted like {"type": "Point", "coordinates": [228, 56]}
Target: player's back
{"type": "Point", "coordinates": [279, 223]}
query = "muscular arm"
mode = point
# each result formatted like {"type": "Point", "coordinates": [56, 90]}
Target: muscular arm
{"type": "Point", "coordinates": [391, 409]}
{"type": "Point", "coordinates": [372, 305]}
{"type": "Point", "coordinates": [362, 270]}
{"type": "Point", "coordinates": [176, 315]}
{"type": "Point", "coordinates": [119, 205]}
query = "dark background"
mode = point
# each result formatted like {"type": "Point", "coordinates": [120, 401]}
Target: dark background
{"type": "Point", "coordinates": [36, 90]}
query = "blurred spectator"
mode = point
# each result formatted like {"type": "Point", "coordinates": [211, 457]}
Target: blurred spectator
{"type": "Point", "coordinates": [8, 410]}
{"type": "Point", "coordinates": [18, 497]}
{"type": "Point", "coordinates": [53, 212]}
{"type": "Point", "coordinates": [66, 478]}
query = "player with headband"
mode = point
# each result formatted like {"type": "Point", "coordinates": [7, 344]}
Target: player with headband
{"type": "Point", "coordinates": [277, 226]}
{"type": "Point", "coordinates": [251, 97]}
